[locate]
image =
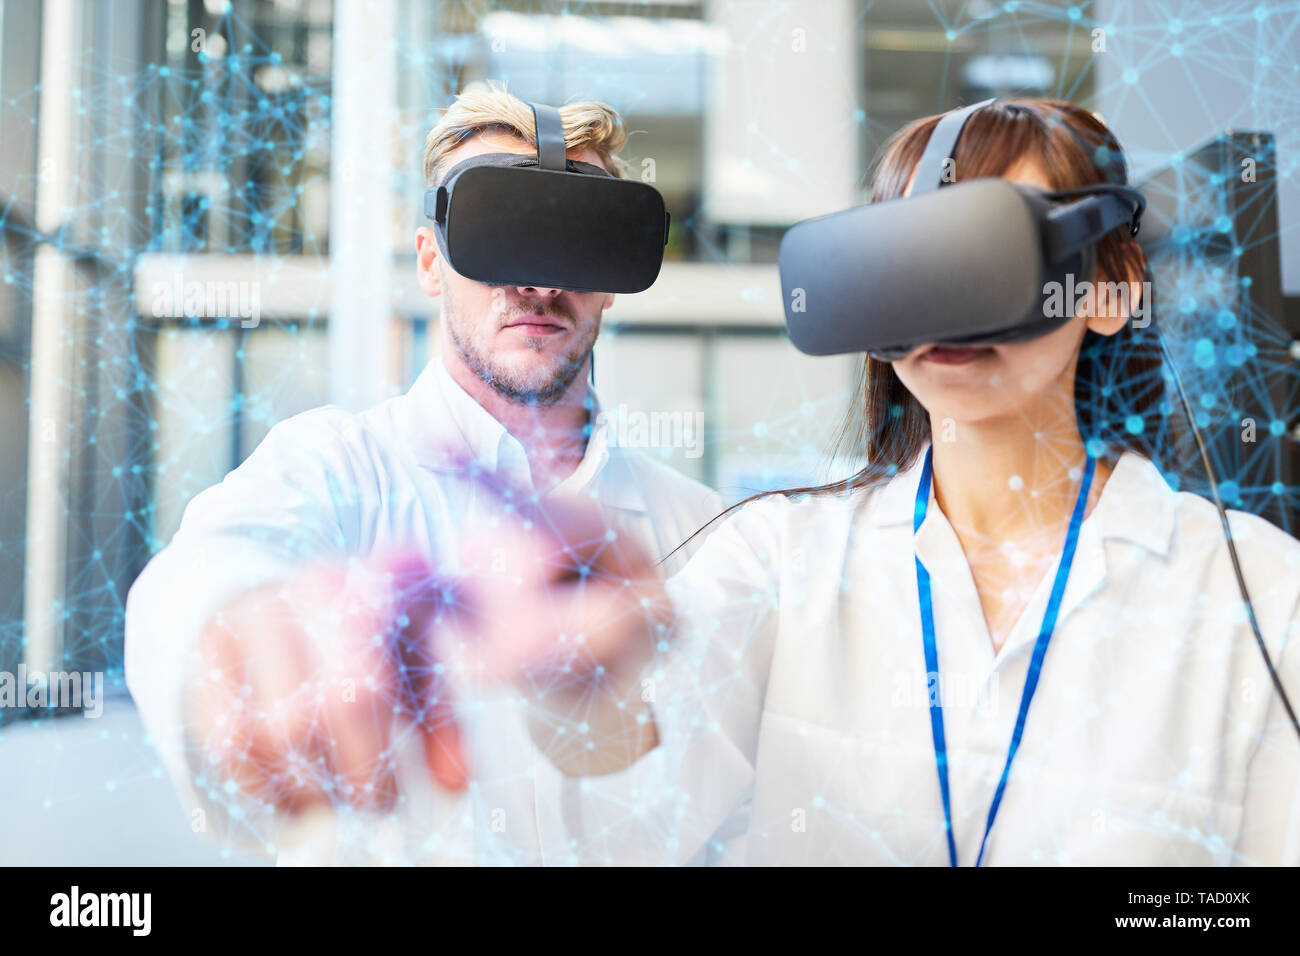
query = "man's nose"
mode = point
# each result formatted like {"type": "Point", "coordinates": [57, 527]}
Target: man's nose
{"type": "Point", "coordinates": [537, 290]}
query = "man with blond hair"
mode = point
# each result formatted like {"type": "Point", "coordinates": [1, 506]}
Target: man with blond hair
{"type": "Point", "coordinates": [278, 647]}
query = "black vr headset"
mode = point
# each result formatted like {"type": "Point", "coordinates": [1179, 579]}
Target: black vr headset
{"type": "Point", "coordinates": [548, 221]}
{"type": "Point", "coordinates": [976, 256]}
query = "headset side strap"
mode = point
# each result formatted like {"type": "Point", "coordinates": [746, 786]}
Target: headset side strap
{"type": "Point", "coordinates": [1070, 228]}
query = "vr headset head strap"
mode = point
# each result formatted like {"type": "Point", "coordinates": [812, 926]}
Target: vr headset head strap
{"type": "Point", "coordinates": [942, 142]}
{"type": "Point", "coordinates": [550, 137]}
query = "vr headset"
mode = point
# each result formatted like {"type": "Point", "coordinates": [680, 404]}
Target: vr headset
{"type": "Point", "coordinates": [547, 221]}
{"type": "Point", "coordinates": [965, 264]}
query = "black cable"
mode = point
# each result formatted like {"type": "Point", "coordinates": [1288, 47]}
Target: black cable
{"type": "Point", "coordinates": [1227, 530]}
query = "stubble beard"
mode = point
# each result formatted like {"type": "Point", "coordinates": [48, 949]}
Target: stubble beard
{"type": "Point", "coordinates": [509, 384]}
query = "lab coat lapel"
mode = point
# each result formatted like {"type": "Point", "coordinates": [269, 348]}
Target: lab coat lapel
{"type": "Point", "coordinates": [1136, 505]}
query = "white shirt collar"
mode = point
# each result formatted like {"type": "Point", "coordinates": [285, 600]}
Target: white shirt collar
{"type": "Point", "coordinates": [1137, 504]}
{"type": "Point", "coordinates": [446, 425]}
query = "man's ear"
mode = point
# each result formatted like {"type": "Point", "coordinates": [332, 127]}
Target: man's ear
{"type": "Point", "coordinates": [609, 302]}
{"type": "Point", "coordinates": [1116, 299]}
{"type": "Point", "coordinates": [426, 262]}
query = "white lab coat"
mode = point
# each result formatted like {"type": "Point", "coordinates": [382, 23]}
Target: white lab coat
{"type": "Point", "coordinates": [328, 483]}
{"type": "Point", "coordinates": [794, 709]}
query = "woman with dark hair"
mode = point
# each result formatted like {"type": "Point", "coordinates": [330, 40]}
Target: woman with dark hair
{"type": "Point", "coordinates": [853, 664]}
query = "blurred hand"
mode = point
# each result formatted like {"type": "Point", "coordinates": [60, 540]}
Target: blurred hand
{"type": "Point", "coordinates": [558, 603]}
{"type": "Point", "coordinates": [298, 685]}
{"type": "Point", "coordinates": [548, 589]}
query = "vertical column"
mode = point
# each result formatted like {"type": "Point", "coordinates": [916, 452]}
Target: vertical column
{"type": "Point", "coordinates": [361, 202]}
{"type": "Point", "coordinates": [54, 301]}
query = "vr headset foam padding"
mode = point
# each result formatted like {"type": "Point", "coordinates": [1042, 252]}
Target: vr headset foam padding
{"type": "Point", "coordinates": [515, 219]}
{"type": "Point", "coordinates": [965, 264]}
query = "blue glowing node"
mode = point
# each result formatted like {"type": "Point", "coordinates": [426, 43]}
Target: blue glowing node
{"type": "Point", "coordinates": [1203, 355]}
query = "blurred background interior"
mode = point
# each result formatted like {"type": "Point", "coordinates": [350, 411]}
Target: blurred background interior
{"type": "Point", "coordinates": [273, 148]}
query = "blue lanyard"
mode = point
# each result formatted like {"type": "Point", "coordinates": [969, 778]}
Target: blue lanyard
{"type": "Point", "coordinates": [1035, 663]}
